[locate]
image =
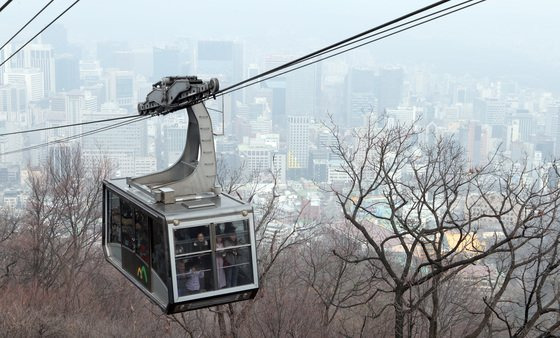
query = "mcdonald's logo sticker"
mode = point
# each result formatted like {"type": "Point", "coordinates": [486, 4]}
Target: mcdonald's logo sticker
{"type": "Point", "coordinates": [142, 274]}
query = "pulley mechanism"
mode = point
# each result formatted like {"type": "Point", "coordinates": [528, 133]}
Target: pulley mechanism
{"type": "Point", "coordinates": [193, 176]}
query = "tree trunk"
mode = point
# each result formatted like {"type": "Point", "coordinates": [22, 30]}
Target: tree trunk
{"type": "Point", "coordinates": [399, 313]}
{"type": "Point", "coordinates": [435, 307]}
{"type": "Point", "coordinates": [222, 322]}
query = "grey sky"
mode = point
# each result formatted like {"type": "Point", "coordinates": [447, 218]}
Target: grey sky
{"type": "Point", "coordinates": [499, 37]}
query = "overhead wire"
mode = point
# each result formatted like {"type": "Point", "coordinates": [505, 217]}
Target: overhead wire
{"type": "Point", "coordinates": [41, 31]}
{"type": "Point", "coordinates": [26, 24]}
{"type": "Point", "coordinates": [259, 78]}
{"type": "Point", "coordinates": [334, 45]}
{"type": "Point", "coordinates": [68, 125]}
{"type": "Point", "coordinates": [73, 137]}
{"type": "Point", "coordinates": [274, 72]}
{"type": "Point", "coordinates": [5, 5]}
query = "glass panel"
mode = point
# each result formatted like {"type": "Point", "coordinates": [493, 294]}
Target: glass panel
{"type": "Point", "coordinates": [233, 254]}
{"type": "Point", "coordinates": [234, 266]}
{"type": "Point", "coordinates": [127, 225]}
{"type": "Point", "coordinates": [192, 247]}
{"type": "Point", "coordinates": [194, 274]}
{"type": "Point", "coordinates": [244, 265]}
{"type": "Point", "coordinates": [142, 235]}
{"type": "Point", "coordinates": [192, 240]}
{"type": "Point", "coordinates": [114, 218]}
{"type": "Point", "coordinates": [233, 233]}
{"type": "Point", "coordinates": [159, 254]}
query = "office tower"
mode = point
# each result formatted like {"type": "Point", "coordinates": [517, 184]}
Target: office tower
{"type": "Point", "coordinates": [302, 87]}
{"type": "Point", "coordinates": [223, 60]}
{"type": "Point", "coordinates": [106, 51]}
{"type": "Point", "coordinates": [67, 73]}
{"type": "Point", "coordinates": [360, 96]}
{"type": "Point", "coordinates": [126, 144]}
{"type": "Point", "coordinates": [174, 142]}
{"type": "Point", "coordinates": [298, 146]}
{"type": "Point", "coordinates": [495, 112]}
{"type": "Point", "coordinates": [525, 124]}
{"type": "Point", "coordinates": [39, 56]}
{"type": "Point", "coordinates": [78, 103]}
{"type": "Point", "coordinates": [91, 72]}
{"type": "Point", "coordinates": [389, 88]}
{"type": "Point", "coordinates": [554, 112]}
{"type": "Point", "coordinates": [4, 53]}
{"type": "Point", "coordinates": [166, 62]}
{"type": "Point", "coordinates": [123, 60]}
{"type": "Point", "coordinates": [121, 89]}
{"type": "Point", "coordinates": [13, 100]}
{"type": "Point", "coordinates": [30, 78]}
{"type": "Point", "coordinates": [402, 115]}
{"type": "Point", "coordinates": [256, 159]}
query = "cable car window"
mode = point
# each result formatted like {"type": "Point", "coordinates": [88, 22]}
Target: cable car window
{"type": "Point", "coordinates": [159, 254]}
{"type": "Point", "coordinates": [233, 254]}
{"type": "Point", "coordinates": [127, 225]}
{"type": "Point", "coordinates": [114, 218]}
{"type": "Point", "coordinates": [195, 271]}
{"type": "Point", "coordinates": [142, 240]}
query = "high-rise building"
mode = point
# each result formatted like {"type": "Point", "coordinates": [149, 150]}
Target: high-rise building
{"type": "Point", "coordinates": [222, 60]}
{"type": "Point", "coordinates": [38, 56]}
{"type": "Point", "coordinates": [302, 88]}
{"type": "Point", "coordinates": [121, 89]}
{"type": "Point", "coordinates": [127, 139]}
{"type": "Point", "coordinates": [525, 124]}
{"type": "Point", "coordinates": [13, 100]}
{"type": "Point", "coordinates": [29, 78]}
{"type": "Point", "coordinates": [67, 72]}
{"type": "Point", "coordinates": [360, 96]}
{"type": "Point", "coordinates": [389, 88]}
{"type": "Point", "coordinates": [90, 72]}
{"type": "Point", "coordinates": [174, 142]}
{"type": "Point", "coordinates": [298, 146]}
{"type": "Point", "coordinates": [166, 62]}
{"type": "Point", "coordinates": [495, 112]}
{"type": "Point", "coordinates": [106, 51]}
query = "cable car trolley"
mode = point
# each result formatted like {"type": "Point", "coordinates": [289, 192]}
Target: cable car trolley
{"type": "Point", "coordinates": [173, 233]}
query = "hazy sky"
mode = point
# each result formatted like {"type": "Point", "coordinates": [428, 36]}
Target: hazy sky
{"type": "Point", "coordinates": [514, 38]}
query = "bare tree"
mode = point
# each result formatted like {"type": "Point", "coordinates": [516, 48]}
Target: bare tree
{"type": "Point", "coordinates": [442, 215]}
{"type": "Point", "coordinates": [9, 222]}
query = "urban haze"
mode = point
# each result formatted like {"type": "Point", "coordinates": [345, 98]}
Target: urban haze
{"type": "Point", "coordinates": [467, 107]}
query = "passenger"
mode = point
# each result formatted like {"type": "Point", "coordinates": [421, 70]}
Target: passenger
{"type": "Point", "coordinates": [225, 228]}
{"type": "Point", "coordinates": [193, 279]}
{"type": "Point", "coordinates": [181, 279]}
{"type": "Point", "coordinates": [200, 244]}
{"type": "Point", "coordinates": [220, 263]}
{"type": "Point", "coordinates": [204, 260]}
{"type": "Point", "coordinates": [230, 261]}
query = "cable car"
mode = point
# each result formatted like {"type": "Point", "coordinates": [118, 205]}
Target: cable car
{"type": "Point", "coordinates": [173, 233]}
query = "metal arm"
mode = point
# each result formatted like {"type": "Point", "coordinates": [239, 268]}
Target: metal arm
{"type": "Point", "coordinates": [194, 174]}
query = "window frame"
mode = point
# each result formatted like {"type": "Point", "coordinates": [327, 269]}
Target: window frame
{"type": "Point", "coordinates": [211, 223]}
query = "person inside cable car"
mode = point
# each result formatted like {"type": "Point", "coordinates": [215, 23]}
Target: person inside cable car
{"type": "Point", "coordinates": [230, 260]}
{"type": "Point", "coordinates": [224, 229]}
{"type": "Point", "coordinates": [220, 255]}
{"type": "Point", "coordinates": [194, 276]}
{"type": "Point", "coordinates": [181, 278]}
{"type": "Point", "coordinates": [200, 244]}
{"type": "Point", "coordinates": [204, 260]}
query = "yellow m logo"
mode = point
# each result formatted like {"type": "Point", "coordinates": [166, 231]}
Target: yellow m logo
{"type": "Point", "coordinates": [142, 274]}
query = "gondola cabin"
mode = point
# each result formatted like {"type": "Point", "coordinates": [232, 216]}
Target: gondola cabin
{"type": "Point", "coordinates": [173, 233]}
{"type": "Point", "coordinates": [184, 256]}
